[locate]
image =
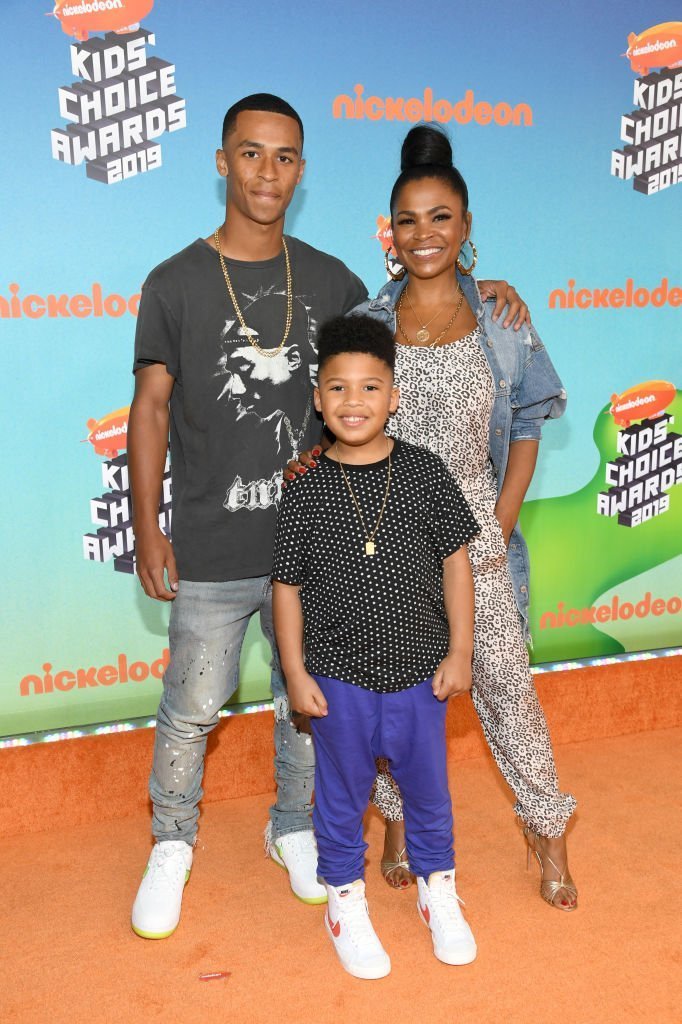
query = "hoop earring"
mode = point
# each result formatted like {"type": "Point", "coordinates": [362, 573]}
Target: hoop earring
{"type": "Point", "coordinates": [391, 273]}
{"type": "Point", "coordinates": [466, 271]}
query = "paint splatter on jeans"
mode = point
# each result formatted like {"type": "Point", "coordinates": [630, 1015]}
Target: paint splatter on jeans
{"type": "Point", "coordinates": [207, 627]}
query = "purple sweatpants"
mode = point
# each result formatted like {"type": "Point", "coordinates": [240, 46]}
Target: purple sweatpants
{"type": "Point", "coordinates": [407, 728]}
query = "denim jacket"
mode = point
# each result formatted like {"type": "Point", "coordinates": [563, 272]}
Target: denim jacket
{"type": "Point", "coordinates": [527, 392]}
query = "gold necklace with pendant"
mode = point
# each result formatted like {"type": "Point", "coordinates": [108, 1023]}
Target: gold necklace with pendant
{"type": "Point", "coordinates": [370, 546]}
{"type": "Point", "coordinates": [269, 353]}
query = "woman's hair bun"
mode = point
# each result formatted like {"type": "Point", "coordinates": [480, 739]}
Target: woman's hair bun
{"type": "Point", "coordinates": [425, 144]}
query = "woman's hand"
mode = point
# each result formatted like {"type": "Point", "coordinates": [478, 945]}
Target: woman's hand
{"type": "Point", "coordinates": [506, 295]}
{"type": "Point", "coordinates": [305, 461]}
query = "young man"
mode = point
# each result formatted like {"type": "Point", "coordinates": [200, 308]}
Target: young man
{"type": "Point", "coordinates": [372, 580]}
{"type": "Point", "coordinates": [224, 355]}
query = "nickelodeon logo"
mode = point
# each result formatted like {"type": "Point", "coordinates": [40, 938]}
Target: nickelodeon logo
{"type": "Point", "coordinates": [643, 402]}
{"type": "Point", "coordinates": [109, 435]}
{"type": "Point", "coordinates": [85, 678]}
{"type": "Point", "coordinates": [414, 109]}
{"type": "Point", "coordinates": [614, 298]}
{"type": "Point", "coordinates": [79, 18]}
{"type": "Point", "coordinates": [33, 306]}
{"type": "Point", "coordinates": [658, 47]}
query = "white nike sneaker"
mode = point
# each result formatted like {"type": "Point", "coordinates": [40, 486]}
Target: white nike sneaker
{"type": "Point", "coordinates": [156, 910]}
{"type": "Point", "coordinates": [438, 906]}
{"type": "Point", "coordinates": [297, 852]}
{"type": "Point", "coordinates": [350, 929]}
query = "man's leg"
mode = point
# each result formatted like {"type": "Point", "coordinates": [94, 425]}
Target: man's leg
{"type": "Point", "coordinates": [207, 627]}
{"type": "Point", "coordinates": [288, 837]}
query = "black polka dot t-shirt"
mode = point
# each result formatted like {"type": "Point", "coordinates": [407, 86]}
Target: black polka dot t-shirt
{"type": "Point", "coordinates": [377, 621]}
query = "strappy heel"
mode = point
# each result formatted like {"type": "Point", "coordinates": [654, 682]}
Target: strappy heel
{"type": "Point", "coordinates": [549, 888]}
{"type": "Point", "coordinates": [389, 867]}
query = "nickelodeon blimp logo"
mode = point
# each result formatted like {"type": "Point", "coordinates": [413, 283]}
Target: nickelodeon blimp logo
{"type": "Point", "coordinates": [658, 47]}
{"type": "Point", "coordinates": [643, 402]}
{"type": "Point", "coordinates": [109, 435]}
{"type": "Point", "coordinates": [384, 232]}
{"type": "Point", "coordinates": [79, 18]}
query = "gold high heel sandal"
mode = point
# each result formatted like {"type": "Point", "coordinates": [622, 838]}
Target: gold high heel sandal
{"type": "Point", "coordinates": [388, 867]}
{"type": "Point", "coordinates": [549, 888]}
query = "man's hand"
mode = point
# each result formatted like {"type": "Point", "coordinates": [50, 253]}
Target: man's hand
{"type": "Point", "coordinates": [306, 697]}
{"type": "Point", "coordinates": [154, 557]}
{"type": "Point", "coordinates": [506, 295]}
{"type": "Point", "coordinates": [305, 461]}
{"type": "Point", "coordinates": [452, 677]}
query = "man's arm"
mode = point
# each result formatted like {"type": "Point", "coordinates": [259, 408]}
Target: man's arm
{"type": "Point", "coordinates": [305, 696]}
{"type": "Point", "coordinates": [519, 473]}
{"type": "Point", "coordinates": [453, 675]}
{"type": "Point", "coordinates": [147, 449]}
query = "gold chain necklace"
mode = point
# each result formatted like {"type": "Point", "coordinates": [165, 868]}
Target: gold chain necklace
{"type": "Point", "coordinates": [269, 353]}
{"type": "Point", "coordinates": [442, 333]}
{"type": "Point", "coordinates": [423, 335]}
{"type": "Point", "coordinates": [294, 441]}
{"type": "Point", "coordinates": [370, 547]}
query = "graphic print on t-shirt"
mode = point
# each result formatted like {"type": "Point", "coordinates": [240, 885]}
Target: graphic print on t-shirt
{"type": "Point", "coordinates": [271, 394]}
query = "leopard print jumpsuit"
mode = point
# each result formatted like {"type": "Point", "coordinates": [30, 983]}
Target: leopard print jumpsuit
{"type": "Point", "coordinates": [446, 401]}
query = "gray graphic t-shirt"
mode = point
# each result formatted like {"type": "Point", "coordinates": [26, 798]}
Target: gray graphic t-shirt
{"type": "Point", "coordinates": [237, 416]}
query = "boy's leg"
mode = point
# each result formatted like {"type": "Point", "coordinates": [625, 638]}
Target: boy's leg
{"type": "Point", "coordinates": [289, 837]}
{"type": "Point", "coordinates": [413, 738]}
{"type": "Point", "coordinates": [207, 626]}
{"type": "Point", "coordinates": [344, 773]}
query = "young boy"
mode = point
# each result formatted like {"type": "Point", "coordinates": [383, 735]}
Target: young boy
{"type": "Point", "coordinates": [373, 608]}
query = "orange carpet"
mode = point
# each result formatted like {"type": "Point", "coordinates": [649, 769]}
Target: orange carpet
{"type": "Point", "coordinates": [104, 778]}
{"type": "Point", "coordinates": [68, 954]}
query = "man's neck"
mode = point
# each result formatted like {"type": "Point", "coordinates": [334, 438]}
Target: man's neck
{"type": "Point", "coordinates": [244, 239]}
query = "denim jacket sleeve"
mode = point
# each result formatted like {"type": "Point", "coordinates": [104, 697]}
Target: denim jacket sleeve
{"type": "Point", "coordinates": [538, 394]}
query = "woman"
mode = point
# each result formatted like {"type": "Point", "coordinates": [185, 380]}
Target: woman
{"type": "Point", "coordinates": [477, 393]}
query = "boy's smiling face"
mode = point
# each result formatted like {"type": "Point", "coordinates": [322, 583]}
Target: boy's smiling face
{"type": "Point", "coordinates": [356, 394]}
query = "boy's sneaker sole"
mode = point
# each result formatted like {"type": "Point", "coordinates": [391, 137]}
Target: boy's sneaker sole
{"type": "Point", "coordinates": [311, 901]}
{"type": "Point", "coordinates": [157, 935]}
{"type": "Point", "coordinates": [364, 973]}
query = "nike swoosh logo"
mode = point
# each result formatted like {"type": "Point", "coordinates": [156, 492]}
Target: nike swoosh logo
{"type": "Point", "coordinates": [335, 929]}
{"type": "Point", "coordinates": [425, 912]}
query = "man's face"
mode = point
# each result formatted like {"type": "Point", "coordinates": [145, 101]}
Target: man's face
{"type": "Point", "coordinates": [262, 162]}
{"type": "Point", "coordinates": [254, 379]}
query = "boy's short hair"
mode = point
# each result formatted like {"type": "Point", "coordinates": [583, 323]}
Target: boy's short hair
{"type": "Point", "coordinates": [357, 333]}
{"type": "Point", "coordinates": [262, 102]}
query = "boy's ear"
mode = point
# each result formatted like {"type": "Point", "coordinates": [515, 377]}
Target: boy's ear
{"type": "Point", "coordinates": [395, 399]}
{"type": "Point", "coordinates": [316, 399]}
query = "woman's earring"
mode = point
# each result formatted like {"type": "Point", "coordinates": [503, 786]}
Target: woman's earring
{"type": "Point", "coordinates": [474, 260]}
{"type": "Point", "coordinates": [395, 275]}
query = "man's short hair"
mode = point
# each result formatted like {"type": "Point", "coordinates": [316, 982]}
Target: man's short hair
{"type": "Point", "coordinates": [357, 333]}
{"type": "Point", "coordinates": [259, 101]}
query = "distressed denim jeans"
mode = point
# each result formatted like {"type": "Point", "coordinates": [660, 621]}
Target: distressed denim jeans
{"type": "Point", "coordinates": [207, 626]}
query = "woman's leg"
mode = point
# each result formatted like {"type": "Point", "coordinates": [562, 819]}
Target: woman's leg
{"type": "Point", "coordinates": [514, 724]}
{"type": "Point", "coordinates": [386, 798]}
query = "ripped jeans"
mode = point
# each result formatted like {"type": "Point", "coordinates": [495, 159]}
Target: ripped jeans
{"type": "Point", "coordinates": [207, 626]}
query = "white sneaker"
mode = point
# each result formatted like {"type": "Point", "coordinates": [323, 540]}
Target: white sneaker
{"type": "Point", "coordinates": [156, 910]}
{"type": "Point", "coordinates": [297, 852]}
{"type": "Point", "coordinates": [350, 929]}
{"type": "Point", "coordinates": [438, 906]}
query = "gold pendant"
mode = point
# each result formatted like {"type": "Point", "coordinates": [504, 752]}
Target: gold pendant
{"type": "Point", "coordinates": [422, 336]}
{"type": "Point", "coordinates": [369, 547]}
